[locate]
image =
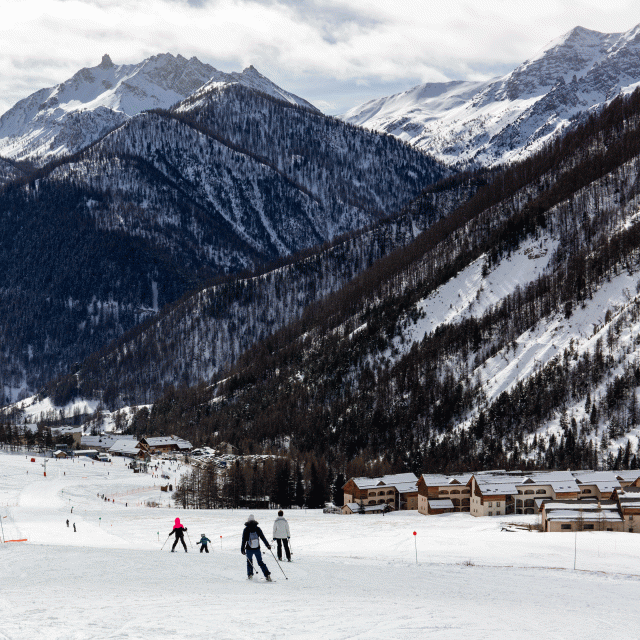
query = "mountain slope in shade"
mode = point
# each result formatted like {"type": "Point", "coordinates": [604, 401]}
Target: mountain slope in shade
{"type": "Point", "coordinates": [510, 117]}
{"type": "Point", "coordinates": [65, 118]}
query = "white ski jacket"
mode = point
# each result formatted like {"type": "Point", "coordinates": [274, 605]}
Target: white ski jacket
{"type": "Point", "coordinates": [281, 528]}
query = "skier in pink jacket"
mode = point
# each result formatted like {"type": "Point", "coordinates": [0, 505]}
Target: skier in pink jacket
{"type": "Point", "coordinates": [178, 530]}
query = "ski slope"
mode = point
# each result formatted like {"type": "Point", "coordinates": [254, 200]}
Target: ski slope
{"type": "Point", "coordinates": [352, 576]}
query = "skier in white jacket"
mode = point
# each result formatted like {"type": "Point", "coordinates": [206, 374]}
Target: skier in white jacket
{"type": "Point", "coordinates": [281, 535]}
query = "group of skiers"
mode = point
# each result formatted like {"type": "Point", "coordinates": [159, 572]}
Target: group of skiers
{"type": "Point", "coordinates": [250, 546]}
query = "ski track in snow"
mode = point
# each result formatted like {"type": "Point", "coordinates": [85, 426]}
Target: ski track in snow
{"type": "Point", "coordinates": [352, 576]}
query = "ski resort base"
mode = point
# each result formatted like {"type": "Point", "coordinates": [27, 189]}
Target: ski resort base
{"type": "Point", "coordinates": [351, 577]}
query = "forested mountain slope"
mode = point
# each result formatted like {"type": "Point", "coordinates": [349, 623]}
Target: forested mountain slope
{"type": "Point", "coordinates": [505, 335]}
{"type": "Point", "coordinates": [204, 333]}
{"type": "Point", "coordinates": [95, 242]}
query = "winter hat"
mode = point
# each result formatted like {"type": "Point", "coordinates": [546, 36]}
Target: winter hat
{"type": "Point", "coordinates": [177, 524]}
{"type": "Point", "coordinates": [251, 518]}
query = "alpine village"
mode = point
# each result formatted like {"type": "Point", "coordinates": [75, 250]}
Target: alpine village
{"type": "Point", "coordinates": [364, 313]}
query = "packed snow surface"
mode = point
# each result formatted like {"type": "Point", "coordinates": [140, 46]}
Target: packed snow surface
{"type": "Point", "coordinates": [351, 576]}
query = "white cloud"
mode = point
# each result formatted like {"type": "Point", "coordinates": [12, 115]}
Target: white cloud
{"type": "Point", "coordinates": [331, 52]}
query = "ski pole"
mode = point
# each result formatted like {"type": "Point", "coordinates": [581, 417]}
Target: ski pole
{"type": "Point", "coordinates": [276, 559]}
{"type": "Point", "coordinates": [165, 542]}
{"type": "Point", "coordinates": [251, 563]}
{"type": "Point", "coordinates": [189, 538]}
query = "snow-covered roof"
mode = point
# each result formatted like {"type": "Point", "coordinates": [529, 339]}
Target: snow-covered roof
{"type": "Point", "coordinates": [403, 482]}
{"type": "Point", "coordinates": [440, 480]}
{"type": "Point", "coordinates": [587, 516]}
{"type": "Point", "coordinates": [125, 446]}
{"type": "Point", "coordinates": [163, 441]}
{"type": "Point", "coordinates": [627, 476]}
{"type": "Point", "coordinates": [440, 504]}
{"type": "Point", "coordinates": [605, 481]}
{"type": "Point", "coordinates": [355, 507]}
{"type": "Point", "coordinates": [497, 485]}
{"type": "Point", "coordinates": [103, 441]}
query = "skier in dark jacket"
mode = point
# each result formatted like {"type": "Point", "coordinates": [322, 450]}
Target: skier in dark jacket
{"type": "Point", "coordinates": [203, 541]}
{"type": "Point", "coordinates": [251, 547]}
{"type": "Point", "coordinates": [178, 530]}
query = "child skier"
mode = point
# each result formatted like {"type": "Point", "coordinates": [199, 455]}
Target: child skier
{"type": "Point", "coordinates": [178, 530]}
{"type": "Point", "coordinates": [251, 547]}
{"type": "Point", "coordinates": [203, 541]}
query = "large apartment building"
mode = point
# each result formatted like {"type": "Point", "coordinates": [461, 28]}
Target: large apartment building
{"type": "Point", "coordinates": [491, 493]}
{"type": "Point", "coordinates": [399, 491]}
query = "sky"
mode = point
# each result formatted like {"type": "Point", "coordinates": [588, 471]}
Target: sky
{"type": "Point", "coordinates": [334, 53]}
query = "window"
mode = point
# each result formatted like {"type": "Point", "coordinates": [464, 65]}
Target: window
{"type": "Point", "coordinates": [497, 504]}
{"type": "Point", "coordinates": [541, 491]}
{"type": "Point", "coordinates": [490, 513]}
{"type": "Point", "coordinates": [588, 526]}
{"type": "Point", "coordinates": [586, 491]}
{"type": "Point", "coordinates": [630, 517]}
{"type": "Point", "coordinates": [490, 504]}
{"type": "Point", "coordinates": [565, 526]}
{"type": "Point", "coordinates": [528, 491]}
{"type": "Point", "coordinates": [444, 491]}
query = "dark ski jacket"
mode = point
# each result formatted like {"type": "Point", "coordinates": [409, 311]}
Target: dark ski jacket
{"type": "Point", "coordinates": [179, 531]}
{"type": "Point", "coordinates": [203, 541]}
{"type": "Point", "coordinates": [248, 528]}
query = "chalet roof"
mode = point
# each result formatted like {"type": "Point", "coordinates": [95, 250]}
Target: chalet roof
{"type": "Point", "coordinates": [440, 480]}
{"type": "Point", "coordinates": [355, 507]}
{"type": "Point", "coordinates": [498, 489]}
{"type": "Point", "coordinates": [602, 515]}
{"type": "Point", "coordinates": [580, 505]}
{"type": "Point", "coordinates": [491, 485]}
{"type": "Point", "coordinates": [605, 481]}
{"type": "Point", "coordinates": [163, 441]}
{"type": "Point", "coordinates": [440, 504]}
{"type": "Point", "coordinates": [627, 476]}
{"type": "Point", "coordinates": [403, 482]}
{"type": "Point", "coordinates": [104, 441]}
{"type": "Point", "coordinates": [629, 498]}
{"type": "Point", "coordinates": [125, 446]}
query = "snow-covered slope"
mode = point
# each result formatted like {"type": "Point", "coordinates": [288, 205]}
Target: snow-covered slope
{"type": "Point", "coordinates": [510, 117]}
{"type": "Point", "coordinates": [65, 118]}
{"type": "Point", "coordinates": [457, 577]}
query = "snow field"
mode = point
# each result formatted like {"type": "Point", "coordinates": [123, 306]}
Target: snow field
{"type": "Point", "coordinates": [352, 576]}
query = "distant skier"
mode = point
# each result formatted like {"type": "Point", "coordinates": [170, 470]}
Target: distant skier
{"type": "Point", "coordinates": [178, 530]}
{"type": "Point", "coordinates": [67, 523]}
{"type": "Point", "coordinates": [203, 541]}
{"type": "Point", "coordinates": [251, 547]}
{"type": "Point", "coordinates": [74, 527]}
{"type": "Point", "coordinates": [281, 535]}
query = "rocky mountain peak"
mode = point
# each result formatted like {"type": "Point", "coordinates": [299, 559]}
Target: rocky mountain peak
{"type": "Point", "coordinates": [106, 62]}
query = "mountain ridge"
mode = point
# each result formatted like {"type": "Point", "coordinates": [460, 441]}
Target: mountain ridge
{"type": "Point", "coordinates": [61, 120]}
{"type": "Point", "coordinates": [510, 117]}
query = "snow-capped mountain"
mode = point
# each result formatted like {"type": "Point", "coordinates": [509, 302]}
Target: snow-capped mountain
{"type": "Point", "coordinates": [510, 117]}
{"type": "Point", "coordinates": [63, 119]}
